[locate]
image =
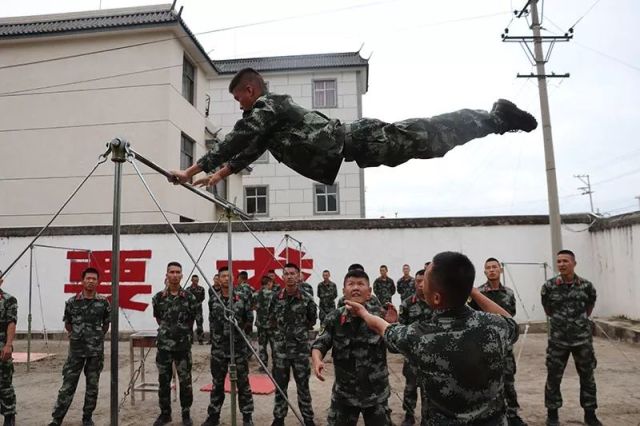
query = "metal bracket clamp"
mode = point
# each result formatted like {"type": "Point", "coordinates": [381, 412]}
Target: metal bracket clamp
{"type": "Point", "coordinates": [119, 150]}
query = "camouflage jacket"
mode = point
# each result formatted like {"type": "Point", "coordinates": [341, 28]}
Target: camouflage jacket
{"type": "Point", "coordinates": [413, 309]}
{"type": "Point", "coordinates": [567, 304]}
{"type": "Point", "coordinates": [197, 291]}
{"type": "Point", "coordinates": [305, 286]}
{"type": "Point", "coordinates": [384, 288]}
{"type": "Point", "coordinates": [292, 316]}
{"type": "Point", "coordinates": [372, 303]}
{"type": "Point", "coordinates": [175, 316]}
{"type": "Point", "coordinates": [307, 141]}
{"type": "Point", "coordinates": [359, 359]}
{"type": "Point", "coordinates": [406, 287]}
{"type": "Point", "coordinates": [8, 314]}
{"type": "Point", "coordinates": [88, 318]}
{"type": "Point", "coordinates": [327, 293]}
{"type": "Point", "coordinates": [245, 291]}
{"type": "Point", "coordinates": [261, 301]}
{"type": "Point", "coordinates": [219, 326]}
{"type": "Point", "coordinates": [503, 296]}
{"type": "Point", "coordinates": [460, 355]}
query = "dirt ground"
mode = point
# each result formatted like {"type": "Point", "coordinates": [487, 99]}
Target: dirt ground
{"type": "Point", "coordinates": [617, 377]}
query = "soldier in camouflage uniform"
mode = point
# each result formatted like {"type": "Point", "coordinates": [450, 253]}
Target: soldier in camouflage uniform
{"type": "Point", "coordinates": [568, 301]}
{"type": "Point", "coordinates": [504, 297]}
{"type": "Point", "coordinates": [198, 293]}
{"type": "Point", "coordinates": [261, 301]}
{"type": "Point", "coordinates": [87, 316]}
{"type": "Point", "coordinates": [175, 311]}
{"type": "Point", "coordinates": [413, 309]}
{"type": "Point", "coordinates": [406, 284]}
{"type": "Point", "coordinates": [383, 286]}
{"type": "Point", "coordinates": [361, 383]}
{"type": "Point", "coordinates": [221, 352]}
{"type": "Point", "coordinates": [8, 320]}
{"type": "Point", "coordinates": [459, 352]}
{"type": "Point", "coordinates": [315, 146]}
{"type": "Point", "coordinates": [305, 286]}
{"type": "Point", "coordinates": [292, 312]}
{"type": "Point", "coordinates": [244, 290]}
{"type": "Point", "coordinates": [327, 294]}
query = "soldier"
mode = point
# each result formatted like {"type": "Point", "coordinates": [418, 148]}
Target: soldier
{"type": "Point", "coordinates": [568, 301]}
{"type": "Point", "coordinates": [244, 289]}
{"type": "Point", "coordinates": [315, 146]}
{"type": "Point", "coordinates": [504, 297]}
{"type": "Point", "coordinates": [261, 301]}
{"type": "Point", "coordinates": [459, 353]}
{"type": "Point", "coordinates": [383, 286]}
{"type": "Point", "coordinates": [327, 294]}
{"type": "Point", "coordinates": [221, 352]}
{"type": "Point", "coordinates": [198, 293]}
{"type": "Point", "coordinates": [272, 274]}
{"type": "Point", "coordinates": [292, 312]}
{"type": "Point", "coordinates": [413, 309]}
{"type": "Point", "coordinates": [86, 319]}
{"type": "Point", "coordinates": [305, 286]}
{"type": "Point", "coordinates": [8, 320]}
{"type": "Point", "coordinates": [175, 311]}
{"type": "Point", "coordinates": [406, 284]}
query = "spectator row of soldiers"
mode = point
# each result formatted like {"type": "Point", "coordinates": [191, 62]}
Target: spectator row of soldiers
{"type": "Point", "coordinates": [457, 341]}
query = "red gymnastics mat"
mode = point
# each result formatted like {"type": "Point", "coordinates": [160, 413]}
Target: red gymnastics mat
{"type": "Point", "coordinates": [21, 357]}
{"type": "Point", "coordinates": [260, 385]}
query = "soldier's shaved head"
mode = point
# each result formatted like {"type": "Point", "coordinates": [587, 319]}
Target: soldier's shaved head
{"type": "Point", "coordinates": [451, 275]}
{"type": "Point", "coordinates": [247, 76]}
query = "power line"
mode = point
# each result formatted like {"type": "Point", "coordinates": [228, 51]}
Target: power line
{"type": "Point", "coordinates": [89, 89]}
{"type": "Point", "coordinates": [585, 14]}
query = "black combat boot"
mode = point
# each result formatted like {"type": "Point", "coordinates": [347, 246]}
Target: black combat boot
{"type": "Point", "coordinates": [87, 421]}
{"type": "Point", "coordinates": [409, 420]}
{"type": "Point", "coordinates": [510, 118]}
{"type": "Point", "coordinates": [186, 418]}
{"type": "Point", "coordinates": [212, 421]}
{"type": "Point", "coordinates": [590, 418]}
{"type": "Point", "coordinates": [162, 420]}
{"type": "Point", "coordinates": [277, 421]}
{"type": "Point", "coordinates": [10, 420]}
{"type": "Point", "coordinates": [55, 422]}
{"type": "Point", "coordinates": [552, 417]}
{"type": "Point", "coordinates": [247, 420]}
{"type": "Point", "coordinates": [515, 420]}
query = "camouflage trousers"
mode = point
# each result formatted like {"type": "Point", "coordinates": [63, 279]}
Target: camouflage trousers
{"type": "Point", "coordinates": [585, 360]}
{"type": "Point", "coordinates": [301, 371]}
{"type": "Point", "coordinates": [199, 321]}
{"type": "Point", "coordinates": [347, 415]}
{"type": "Point", "coordinates": [219, 368]}
{"type": "Point", "coordinates": [74, 365]}
{"type": "Point", "coordinates": [510, 395]}
{"type": "Point", "coordinates": [164, 364]}
{"type": "Point", "coordinates": [265, 338]}
{"type": "Point", "coordinates": [371, 142]}
{"type": "Point", "coordinates": [7, 394]}
{"type": "Point", "coordinates": [410, 396]}
{"type": "Point", "coordinates": [324, 310]}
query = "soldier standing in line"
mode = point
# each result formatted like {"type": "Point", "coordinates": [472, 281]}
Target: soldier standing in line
{"type": "Point", "coordinates": [8, 320]}
{"type": "Point", "coordinates": [327, 294]}
{"type": "Point", "coordinates": [361, 383]}
{"type": "Point", "coordinates": [198, 293]}
{"type": "Point", "coordinates": [175, 311]}
{"type": "Point", "coordinates": [216, 288]}
{"type": "Point", "coordinates": [292, 312]}
{"type": "Point", "coordinates": [87, 316]}
{"type": "Point", "coordinates": [383, 286]}
{"type": "Point", "coordinates": [244, 289]}
{"type": "Point", "coordinates": [272, 274]}
{"type": "Point", "coordinates": [406, 284]}
{"type": "Point", "coordinates": [221, 352]}
{"type": "Point", "coordinates": [373, 301]}
{"type": "Point", "coordinates": [568, 301]}
{"type": "Point", "coordinates": [305, 286]}
{"type": "Point", "coordinates": [413, 309]}
{"type": "Point", "coordinates": [261, 301]}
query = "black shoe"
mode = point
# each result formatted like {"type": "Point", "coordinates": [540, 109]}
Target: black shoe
{"type": "Point", "coordinates": [211, 421]}
{"type": "Point", "coordinates": [247, 420]}
{"type": "Point", "coordinates": [55, 422]}
{"type": "Point", "coordinates": [10, 420]}
{"type": "Point", "coordinates": [552, 417]}
{"type": "Point", "coordinates": [515, 420]}
{"type": "Point", "coordinates": [590, 418]}
{"type": "Point", "coordinates": [162, 419]}
{"type": "Point", "coordinates": [201, 342]}
{"type": "Point", "coordinates": [277, 421]}
{"type": "Point", "coordinates": [309, 422]}
{"type": "Point", "coordinates": [409, 420]}
{"type": "Point", "coordinates": [186, 419]}
{"type": "Point", "coordinates": [510, 118]}
{"type": "Point", "coordinates": [87, 421]}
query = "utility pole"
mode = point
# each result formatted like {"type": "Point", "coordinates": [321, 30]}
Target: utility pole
{"type": "Point", "coordinates": [538, 59]}
{"type": "Point", "coordinates": [586, 189]}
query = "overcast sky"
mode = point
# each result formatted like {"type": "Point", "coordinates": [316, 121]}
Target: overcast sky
{"type": "Point", "coordinates": [429, 57]}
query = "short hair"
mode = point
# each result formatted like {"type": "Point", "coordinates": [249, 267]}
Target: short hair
{"type": "Point", "coordinates": [420, 272]}
{"type": "Point", "coordinates": [326, 270]}
{"type": "Point", "coordinates": [292, 265]}
{"type": "Point", "coordinates": [265, 280]}
{"type": "Point", "coordinates": [89, 270]}
{"type": "Point", "coordinates": [491, 259]}
{"type": "Point", "coordinates": [569, 252]}
{"type": "Point", "coordinates": [453, 274]}
{"type": "Point", "coordinates": [174, 263]}
{"type": "Point", "coordinates": [355, 273]}
{"type": "Point", "coordinates": [223, 269]}
{"type": "Point", "coordinates": [195, 275]}
{"type": "Point", "coordinates": [407, 265]}
{"type": "Point", "coordinates": [355, 266]}
{"type": "Point", "coordinates": [247, 76]}
{"type": "Point", "coordinates": [243, 274]}
{"type": "Point", "coordinates": [384, 266]}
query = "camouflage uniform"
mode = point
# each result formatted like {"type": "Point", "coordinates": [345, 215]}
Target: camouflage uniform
{"type": "Point", "coordinates": [412, 310]}
{"type": "Point", "coordinates": [570, 333]}
{"type": "Point", "coordinates": [261, 301]}
{"type": "Point", "coordinates": [292, 316]}
{"type": "Point", "coordinates": [175, 315]}
{"type": "Point", "coordinates": [406, 287]}
{"type": "Point", "coordinates": [305, 286]}
{"type": "Point", "coordinates": [384, 289]}
{"type": "Point", "coordinates": [88, 318]}
{"type": "Point", "coordinates": [327, 293]}
{"type": "Point", "coordinates": [245, 291]}
{"type": "Point", "coordinates": [8, 315]}
{"type": "Point", "coordinates": [373, 301]}
{"type": "Point", "coordinates": [361, 376]}
{"type": "Point", "coordinates": [221, 354]}
{"type": "Point", "coordinates": [460, 356]}
{"type": "Point", "coordinates": [315, 146]}
{"type": "Point", "coordinates": [198, 293]}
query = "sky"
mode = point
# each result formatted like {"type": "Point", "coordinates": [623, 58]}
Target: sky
{"type": "Point", "coordinates": [433, 56]}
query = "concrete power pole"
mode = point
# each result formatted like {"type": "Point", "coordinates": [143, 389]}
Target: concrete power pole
{"type": "Point", "coordinates": [539, 60]}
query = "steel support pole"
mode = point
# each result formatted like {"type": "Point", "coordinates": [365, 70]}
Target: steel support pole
{"type": "Point", "coordinates": [29, 317]}
{"type": "Point", "coordinates": [233, 373]}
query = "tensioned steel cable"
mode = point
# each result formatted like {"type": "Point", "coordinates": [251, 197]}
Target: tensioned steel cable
{"type": "Point", "coordinates": [206, 244]}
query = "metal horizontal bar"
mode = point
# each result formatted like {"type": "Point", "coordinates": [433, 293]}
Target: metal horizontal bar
{"type": "Point", "coordinates": [532, 75]}
{"type": "Point", "coordinates": [513, 39]}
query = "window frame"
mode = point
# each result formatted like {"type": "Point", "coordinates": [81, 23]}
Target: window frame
{"type": "Point", "coordinates": [246, 197]}
{"type": "Point", "coordinates": [315, 102]}
{"type": "Point", "coordinates": [326, 195]}
{"type": "Point", "coordinates": [186, 138]}
{"type": "Point", "coordinates": [190, 97]}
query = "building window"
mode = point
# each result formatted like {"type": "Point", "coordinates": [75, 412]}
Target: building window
{"type": "Point", "coordinates": [256, 200]}
{"type": "Point", "coordinates": [326, 198]}
{"type": "Point", "coordinates": [188, 80]}
{"type": "Point", "coordinates": [325, 94]}
{"type": "Point", "coordinates": [186, 151]}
